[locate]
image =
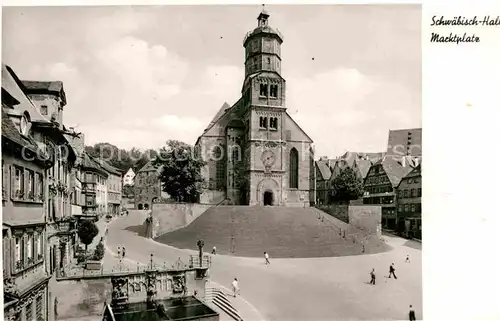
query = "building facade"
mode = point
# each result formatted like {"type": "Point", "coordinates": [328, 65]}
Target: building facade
{"type": "Point", "coordinates": [323, 182]}
{"type": "Point", "coordinates": [147, 187]}
{"type": "Point", "coordinates": [256, 153]}
{"type": "Point", "coordinates": [405, 142]}
{"type": "Point", "coordinates": [24, 232]}
{"type": "Point", "coordinates": [128, 178]}
{"type": "Point", "coordinates": [380, 187]}
{"type": "Point", "coordinates": [93, 187]}
{"type": "Point", "coordinates": [76, 194]}
{"type": "Point", "coordinates": [113, 188]}
{"type": "Point", "coordinates": [39, 195]}
{"type": "Point", "coordinates": [409, 202]}
{"type": "Point", "coordinates": [361, 168]}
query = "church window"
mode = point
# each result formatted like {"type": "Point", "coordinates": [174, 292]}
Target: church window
{"type": "Point", "coordinates": [294, 169]}
{"type": "Point", "coordinates": [263, 90]}
{"type": "Point", "coordinates": [263, 122]}
{"type": "Point", "coordinates": [273, 92]}
{"type": "Point", "coordinates": [273, 123]}
{"type": "Point", "coordinates": [220, 169]}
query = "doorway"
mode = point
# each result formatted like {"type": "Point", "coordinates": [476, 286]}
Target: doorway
{"type": "Point", "coordinates": [268, 198]}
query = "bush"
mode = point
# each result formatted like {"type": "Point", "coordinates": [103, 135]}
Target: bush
{"type": "Point", "coordinates": [99, 252]}
{"type": "Point", "coordinates": [83, 257]}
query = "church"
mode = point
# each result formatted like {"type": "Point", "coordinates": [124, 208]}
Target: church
{"type": "Point", "coordinates": [256, 153]}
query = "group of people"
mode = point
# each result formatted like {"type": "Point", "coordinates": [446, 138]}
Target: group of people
{"type": "Point", "coordinates": [121, 252]}
{"type": "Point", "coordinates": [392, 272]}
{"type": "Point", "coordinates": [266, 255]}
{"type": "Point", "coordinates": [234, 284]}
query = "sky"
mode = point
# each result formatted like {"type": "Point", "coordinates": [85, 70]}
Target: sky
{"type": "Point", "coordinates": [138, 76]}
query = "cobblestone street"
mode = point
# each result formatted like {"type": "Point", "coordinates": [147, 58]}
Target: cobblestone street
{"type": "Point", "coordinates": [284, 290]}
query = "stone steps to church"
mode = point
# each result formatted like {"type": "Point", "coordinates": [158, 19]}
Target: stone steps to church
{"type": "Point", "coordinates": [250, 230]}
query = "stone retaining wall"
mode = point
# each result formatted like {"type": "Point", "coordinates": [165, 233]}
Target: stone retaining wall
{"type": "Point", "coordinates": [170, 217]}
{"type": "Point", "coordinates": [364, 217]}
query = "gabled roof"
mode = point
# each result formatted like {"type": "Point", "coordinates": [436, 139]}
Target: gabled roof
{"type": "Point", "coordinates": [110, 169]}
{"type": "Point", "coordinates": [324, 169]}
{"type": "Point", "coordinates": [300, 128]}
{"type": "Point", "coordinates": [331, 162]}
{"type": "Point", "coordinates": [14, 92]}
{"type": "Point", "coordinates": [90, 163]}
{"type": "Point", "coordinates": [10, 132]}
{"type": "Point", "coordinates": [351, 156]}
{"type": "Point", "coordinates": [363, 166]}
{"type": "Point", "coordinates": [219, 114]}
{"type": "Point", "coordinates": [130, 171]}
{"type": "Point", "coordinates": [46, 87]}
{"type": "Point", "coordinates": [149, 167]}
{"type": "Point", "coordinates": [394, 170]}
{"type": "Point", "coordinates": [55, 86]}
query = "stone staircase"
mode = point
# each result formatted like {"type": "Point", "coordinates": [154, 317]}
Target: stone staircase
{"type": "Point", "coordinates": [220, 299]}
{"type": "Point", "coordinates": [283, 232]}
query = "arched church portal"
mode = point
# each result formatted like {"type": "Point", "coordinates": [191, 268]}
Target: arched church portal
{"type": "Point", "coordinates": [268, 198]}
{"type": "Point", "coordinates": [268, 192]}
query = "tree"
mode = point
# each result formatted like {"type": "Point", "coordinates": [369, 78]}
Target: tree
{"type": "Point", "coordinates": [121, 158]}
{"type": "Point", "coordinates": [347, 186]}
{"type": "Point", "coordinates": [128, 191]}
{"type": "Point", "coordinates": [87, 230]}
{"type": "Point", "coordinates": [181, 171]}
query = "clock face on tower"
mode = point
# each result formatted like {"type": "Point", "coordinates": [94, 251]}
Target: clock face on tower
{"type": "Point", "coordinates": [268, 158]}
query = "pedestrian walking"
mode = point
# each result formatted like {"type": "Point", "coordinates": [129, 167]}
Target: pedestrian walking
{"type": "Point", "coordinates": [106, 231]}
{"type": "Point", "coordinates": [407, 259]}
{"type": "Point", "coordinates": [123, 251]}
{"type": "Point", "coordinates": [236, 289]}
{"type": "Point", "coordinates": [214, 250]}
{"type": "Point", "coordinates": [391, 271]}
{"type": "Point", "coordinates": [233, 244]}
{"type": "Point", "coordinates": [411, 314]}
{"type": "Point", "coordinates": [372, 276]}
{"type": "Point", "coordinates": [266, 256]}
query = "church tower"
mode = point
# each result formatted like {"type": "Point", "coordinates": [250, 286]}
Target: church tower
{"type": "Point", "coordinates": [262, 48]}
{"type": "Point", "coordinates": [264, 102]}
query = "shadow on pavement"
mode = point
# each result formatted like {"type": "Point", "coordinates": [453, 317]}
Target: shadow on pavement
{"type": "Point", "coordinates": [413, 245]}
{"type": "Point", "coordinates": [137, 229]}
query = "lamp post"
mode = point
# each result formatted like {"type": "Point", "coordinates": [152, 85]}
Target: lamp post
{"type": "Point", "coordinates": [200, 245]}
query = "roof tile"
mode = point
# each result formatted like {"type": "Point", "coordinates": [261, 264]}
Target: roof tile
{"type": "Point", "coordinates": [324, 169]}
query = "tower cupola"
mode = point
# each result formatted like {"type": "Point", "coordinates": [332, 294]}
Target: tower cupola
{"type": "Point", "coordinates": [262, 47]}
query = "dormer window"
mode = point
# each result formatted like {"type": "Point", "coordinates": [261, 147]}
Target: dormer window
{"type": "Point", "coordinates": [24, 125]}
